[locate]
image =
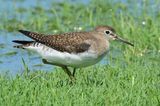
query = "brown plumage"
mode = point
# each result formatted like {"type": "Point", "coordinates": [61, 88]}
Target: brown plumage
{"type": "Point", "coordinates": [62, 42]}
{"type": "Point", "coordinates": [103, 28]}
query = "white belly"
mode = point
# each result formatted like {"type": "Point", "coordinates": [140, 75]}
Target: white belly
{"type": "Point", "coordinates": [70, 59]}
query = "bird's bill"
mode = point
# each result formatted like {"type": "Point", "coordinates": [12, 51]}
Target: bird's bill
{"type": "Point", "coordinates": [124, 41]}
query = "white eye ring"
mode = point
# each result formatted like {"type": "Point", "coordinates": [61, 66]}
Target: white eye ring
{"type": "Point", "coordinates": [107, 32]}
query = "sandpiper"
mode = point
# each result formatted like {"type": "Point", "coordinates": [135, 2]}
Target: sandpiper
{"type": "Point", "coordinates": [75, 49]}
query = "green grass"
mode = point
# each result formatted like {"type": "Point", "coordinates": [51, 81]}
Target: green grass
{"type": "Point", "coordinates": [131, 78]}
{"type": "Point", "coordinates": [134, 84]}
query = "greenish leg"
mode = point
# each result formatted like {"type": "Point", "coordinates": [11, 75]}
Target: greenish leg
{"type": "Point", "coordinates": [74, 71]}
{"type": "Point", "coordinates": [65, 68]}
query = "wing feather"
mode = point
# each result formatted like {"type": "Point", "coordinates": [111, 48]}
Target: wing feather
{"type": "Point", "coordinates": [68, 42]}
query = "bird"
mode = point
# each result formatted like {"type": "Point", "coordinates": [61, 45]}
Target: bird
{"type": "Point", "coordinates": [71, 49]}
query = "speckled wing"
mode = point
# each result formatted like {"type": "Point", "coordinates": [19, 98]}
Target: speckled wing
{"type": "Point", "coordinates": [68, 42]}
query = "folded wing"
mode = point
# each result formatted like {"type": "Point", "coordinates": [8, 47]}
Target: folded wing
{"type": "Point", "coordinates": [68, 42]}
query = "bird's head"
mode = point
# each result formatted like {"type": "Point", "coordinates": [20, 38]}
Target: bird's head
{"type": "Point", "coordinates": [110, 34]}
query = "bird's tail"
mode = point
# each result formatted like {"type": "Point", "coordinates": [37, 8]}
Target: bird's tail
{"type": "Point", "coordinates": [22, 43]}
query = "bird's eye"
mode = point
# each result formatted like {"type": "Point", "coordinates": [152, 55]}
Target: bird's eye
{"type": "Point", "coordinates": [107, 32]}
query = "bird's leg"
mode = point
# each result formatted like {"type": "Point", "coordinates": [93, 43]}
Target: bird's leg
{"type": "Point", "coordinates": [46, 62]}
{"type": "Point", "coordinates": [65, 68]}
{"type": "Point", "coordinates": [74, 71]}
